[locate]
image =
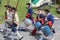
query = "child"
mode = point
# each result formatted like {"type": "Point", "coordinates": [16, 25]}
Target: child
{"type": "Point", "coordinates": [30, 10]}
{"type": "Point", "coordinates": [8, 9]}
{"type": "Point", "coordinates": [50, 19]}
{"type": "Point", "coordinates": [49, 16]}
{"type": "Point", "coordinates": [13, 22]}
{"type": "Point", "coordinates": [40, 16]}
{"type": "Point", "coordinates": [39, 21]}
{"type": "Point", "coordinates": [46, 31]}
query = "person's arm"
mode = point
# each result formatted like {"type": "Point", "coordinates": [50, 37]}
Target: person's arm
{"type": "Point", "coordinates": [17, 20]}
{"type": "Point", "coordinates": [30, 10]}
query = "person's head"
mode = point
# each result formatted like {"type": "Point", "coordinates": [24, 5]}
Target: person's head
{"type": "Point", "coordinates": [8, 7]}
{"type": "Point", "coordinates": [39, 10]}
{"type": "Point", "coordinates": [28, 5]}
{"type": "Point", "coordinates": [46, 11]}
{"type": "Point", "coordinates": [13, 9]}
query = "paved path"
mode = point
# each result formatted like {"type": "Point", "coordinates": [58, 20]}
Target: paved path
{"type": "Point", "coordinates": [27, 35]}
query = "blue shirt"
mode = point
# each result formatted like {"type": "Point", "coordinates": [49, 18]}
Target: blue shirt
{"type": "Point", "coordinates": [50, 17]}
{"type": "Point", "coordinates": [30, 10]}
{"type": "Point", "coordinates": [40, 16]}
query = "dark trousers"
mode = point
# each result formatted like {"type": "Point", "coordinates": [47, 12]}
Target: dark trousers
{"type": "Point", "coordinates": [13, 28]}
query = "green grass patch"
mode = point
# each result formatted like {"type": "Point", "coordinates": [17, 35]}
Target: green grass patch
{"type": "Point", "coordinates": [21, 9]}
{"type": "Point", "coordinates": [53, 11]}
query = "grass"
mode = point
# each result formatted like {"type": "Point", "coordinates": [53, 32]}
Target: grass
{"type": "Point", "coordinates": [21, 9]}
{"type": "Point", "coordinates": [53, 11]}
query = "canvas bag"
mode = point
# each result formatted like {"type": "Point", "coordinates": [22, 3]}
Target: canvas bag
{"type": "Point", "coordinates": [46, 30]}
{"type": "Point", "coordinates": [33, 31]}
{"type": "Point", "coordinates": [37, 25]}
{"type": "Point", "coordinates": [50, 24]}
{"type": "Point", "coordinates": [27, 21]}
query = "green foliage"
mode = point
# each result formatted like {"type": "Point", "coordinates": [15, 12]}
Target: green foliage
{"type": "Point", "coordinates": [21, 9]}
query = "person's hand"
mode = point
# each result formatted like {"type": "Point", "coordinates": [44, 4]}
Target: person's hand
{"type": "Point", "coordinates": [40, 19]}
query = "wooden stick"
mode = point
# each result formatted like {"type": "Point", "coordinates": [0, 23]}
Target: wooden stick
{"type": "Point", "coordinates": [17, 4]}
{"type": "Point", "coordinates": [8, 1]}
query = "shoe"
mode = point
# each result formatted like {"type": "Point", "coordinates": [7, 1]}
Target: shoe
{"type": "Point", "coordinates": [21, 38]}
{"type": "Point", "coordinates": [1, 30]}
{"type": "Point", "coordinates": [53, 39]}
{"type": "Point", "coordinates": [53, 30]}
{"type": "Point", "coordinates": [23, 30]}
{"type": "Point", "coordinates": [5, 37]}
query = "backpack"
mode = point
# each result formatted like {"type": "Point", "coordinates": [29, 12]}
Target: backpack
{"type": "Point", "coordinates": [37, 25]}
{"type": "Point", "coordinates": [33, 31]}
{"type": "Point", "coordinates": [27, 21]}
{"type": "Point", "coordinates": [50, 24]}
{"type": "Point", "coordinates": [46, 30]}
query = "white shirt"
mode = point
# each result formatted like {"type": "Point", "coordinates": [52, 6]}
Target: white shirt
{"type": "Point", "coordinates": [9, 16]}
{"type": "Point", "coordinates": [46, 16]}
{"type": "Point", "coordinates": [16, 18]}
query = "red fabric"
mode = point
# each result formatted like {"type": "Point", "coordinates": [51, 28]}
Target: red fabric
{"type": "Point", "coordinates": [42, 21]}
{"type": "Point", "coordinates": [50, 24]}
{"type": "Point", "coordinates": [28, 15]}
{"type": "Point", "coordinates": [5, 17]}
{"type": "Point", "coordinates": [33, 31]}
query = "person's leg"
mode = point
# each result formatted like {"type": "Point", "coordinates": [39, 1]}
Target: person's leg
{"type": "Point", "coordinates": [23, 26]}
{"type": "Point", "coordinates": [15, 30]}
{"type": "Point", "coordinates": [8, 31]}
{"type": "Point", "coordinates": [51, 37]}
{"type": "Point", "coordinates": [2, 27]}
{"type": "Point", "coordinates": [12, 35]}
{"type": "Point", "coordinates": [41, 36]}
{"type": "Point", "coordinates": [19, 35]}
{"type": "Point", "coordinates": [53, 29]}
{"type": "Point", "coordinates": [19, 28]}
